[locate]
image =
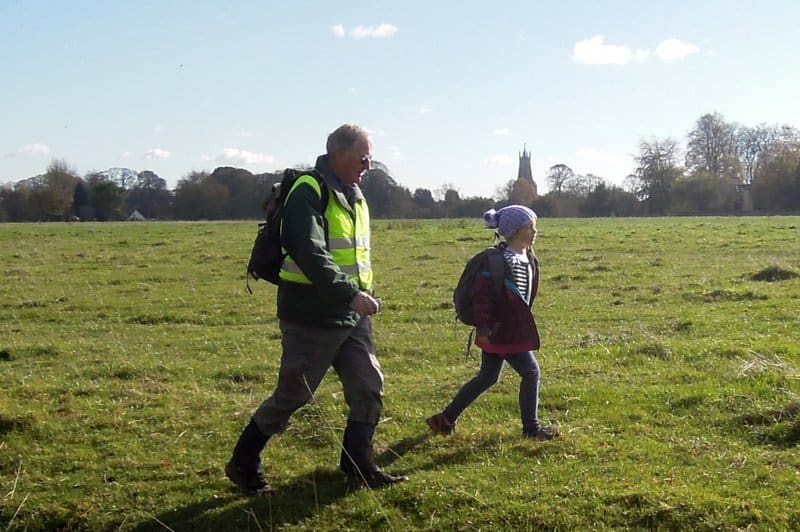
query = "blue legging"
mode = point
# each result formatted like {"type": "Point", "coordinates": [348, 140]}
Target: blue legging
{"type": "Point", "coordinates": [524, 364]}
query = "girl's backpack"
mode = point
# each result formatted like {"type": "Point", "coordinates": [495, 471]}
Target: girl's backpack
{"type": "Point", "coordinates": [491, 260]}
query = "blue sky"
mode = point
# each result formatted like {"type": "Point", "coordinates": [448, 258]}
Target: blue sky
{"type": "Point", "coordinates": [451, 90]}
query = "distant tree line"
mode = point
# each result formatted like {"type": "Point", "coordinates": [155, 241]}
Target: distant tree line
{"type": "Point", "coordinates": [727, 168]}
{"type": "Point", "coordinates": [224, 194]}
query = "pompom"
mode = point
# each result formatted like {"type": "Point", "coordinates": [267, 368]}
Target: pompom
{"type": "Point", "coordinates": [490, 219]}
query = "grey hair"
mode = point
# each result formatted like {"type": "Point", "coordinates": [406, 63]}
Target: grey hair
{"type": "Point", "coordinates": [344, 138]}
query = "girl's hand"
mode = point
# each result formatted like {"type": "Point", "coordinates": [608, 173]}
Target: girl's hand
{"type": "Point", "coordinates": [481, 339]}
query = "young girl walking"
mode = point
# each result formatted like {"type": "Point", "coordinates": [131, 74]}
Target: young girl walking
{"type": "Point", "coordinates": [505, 328]}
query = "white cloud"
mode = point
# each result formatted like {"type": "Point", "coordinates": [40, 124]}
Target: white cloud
{"type": "Point", "coordinates": [157, 153]}
{"type": "Point", "coordinates": [205, 157]}
{"type": "Point", "coordinates": [675, 49]}
{"type": "Point", "coordinates": [338, 31]}
{"type": "Point", "coordinates": [594, 51]}
{"type": "Point", "coordinates": [34, 149]}
{"type": "Point", "coordinates": [502, 132]}
{"type": "Point", "coordinates": [424, 110]}
{"type": "Point", "coordinates": [125, 155]}
{"type": "Point", "coordinates": [501, 159]}
{"type": "Point", "coordinates": [237, 156]}
{"type": "Point", "coordinates": [381, 31]}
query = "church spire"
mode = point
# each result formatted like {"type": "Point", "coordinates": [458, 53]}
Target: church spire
{"type": "Point", "coordinates": [525, 171]}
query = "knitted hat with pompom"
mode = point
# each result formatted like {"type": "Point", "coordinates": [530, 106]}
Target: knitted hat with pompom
{"type": "Point", "coordinates": [509, 219]}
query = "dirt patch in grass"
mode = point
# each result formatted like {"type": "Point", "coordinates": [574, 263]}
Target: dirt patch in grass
{"type": "Point", "coordinates": [773, 274]}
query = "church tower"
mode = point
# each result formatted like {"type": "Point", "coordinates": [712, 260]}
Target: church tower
{"type": "Point", "coordinates": [525, 165]}
{"type": "Point", "coordinates": [525, 173]}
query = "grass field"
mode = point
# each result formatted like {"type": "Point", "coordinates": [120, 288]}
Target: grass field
{"type": "Point", "coordinates": [131, 356]}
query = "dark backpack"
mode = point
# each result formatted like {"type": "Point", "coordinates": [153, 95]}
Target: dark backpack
{"type": "Point", "coordinates": [267, 254]}
{"type": "Point", "coordinates": [464, 293]}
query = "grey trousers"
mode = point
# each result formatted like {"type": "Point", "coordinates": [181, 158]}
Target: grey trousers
{"type": "Point", "coordinates": [525, 364]}
{"type": "Point", "coordinates": [308, 352]}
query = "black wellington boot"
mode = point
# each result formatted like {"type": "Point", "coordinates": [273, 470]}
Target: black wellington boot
{"type": "Point", "coordinates": [244, 467]}
{"type": "Point", "coordinates": [358, 459]}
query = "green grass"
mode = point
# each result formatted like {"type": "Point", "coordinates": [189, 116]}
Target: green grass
{"type": "Point", "coordinates": [131, 356]}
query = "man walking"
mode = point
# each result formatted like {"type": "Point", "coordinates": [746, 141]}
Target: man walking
{"type": "Point", "coordinates": [325, 305]}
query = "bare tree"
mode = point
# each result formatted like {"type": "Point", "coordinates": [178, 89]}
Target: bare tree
{"type": "Point", "coordinates": [557, 176]}
{"type": "Point", "coordinates": [753, 144]}
{"type": "Point", "coordinates": [53, 200]}
{"type": "Point", "coordinates": [503, 192]}
{"type": "Point", "coordinates": [447, 189]}
{"type": "Point", "coordinates": [758, 145]}
{"type": "Point", "coordinates": [581, 185]}
{"type": "Point", "coordinates": [712, 147]}
{"type": "Point", "coordinates": [656, 170]}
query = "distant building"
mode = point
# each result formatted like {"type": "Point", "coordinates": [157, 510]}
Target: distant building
{"type": "Point", "coordinates": [525, 173]}
{"type": "Point", "coordinates": [136, 216]}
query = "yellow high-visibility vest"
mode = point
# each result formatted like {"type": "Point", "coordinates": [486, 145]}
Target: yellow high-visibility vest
{"type": "Point", "coordinates": [348, 239]}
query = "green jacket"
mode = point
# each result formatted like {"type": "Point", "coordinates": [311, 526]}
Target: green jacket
{"type": "Point", "coordinates": [325, 302]}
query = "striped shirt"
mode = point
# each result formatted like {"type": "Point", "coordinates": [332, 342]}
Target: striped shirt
{"type": "Point", "coordinates": [521, 271]}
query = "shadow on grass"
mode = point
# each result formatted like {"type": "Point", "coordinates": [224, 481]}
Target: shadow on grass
{"type": "Point", "coordinates": [290, 504]}
{"type": "Point", "coordinates": [304, 496]}
{"type": "Point", "coordinates": [399, 449]}
{"type": "Point", "coordinates": [18, 423]}
{"type": "Point", "coordinates": [778, 426]}
{"type": "Point", "coordinates": [462, 453]}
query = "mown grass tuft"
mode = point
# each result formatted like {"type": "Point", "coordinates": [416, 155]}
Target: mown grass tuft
{"type": "Point", "coordinates": [654, 350]}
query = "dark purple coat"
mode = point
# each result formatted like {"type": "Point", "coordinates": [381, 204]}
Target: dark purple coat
{"type": "Point", "coordinates": [505, 318]}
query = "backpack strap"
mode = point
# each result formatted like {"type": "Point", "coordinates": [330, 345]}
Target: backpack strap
{"type": "Point", "coordinates": [324, 194]}
{"type": "Point", "coordinates": [324, 197]}
{"type": "Point", "coordinates": [468, 350]}
{"type": "Point", "coordinates": [497, 268]}
{"type": "Point", "coordinates": [535, 273]}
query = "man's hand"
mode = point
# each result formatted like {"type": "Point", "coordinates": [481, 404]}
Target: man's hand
{"type": "Point", "coordinates": [365, 304]}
